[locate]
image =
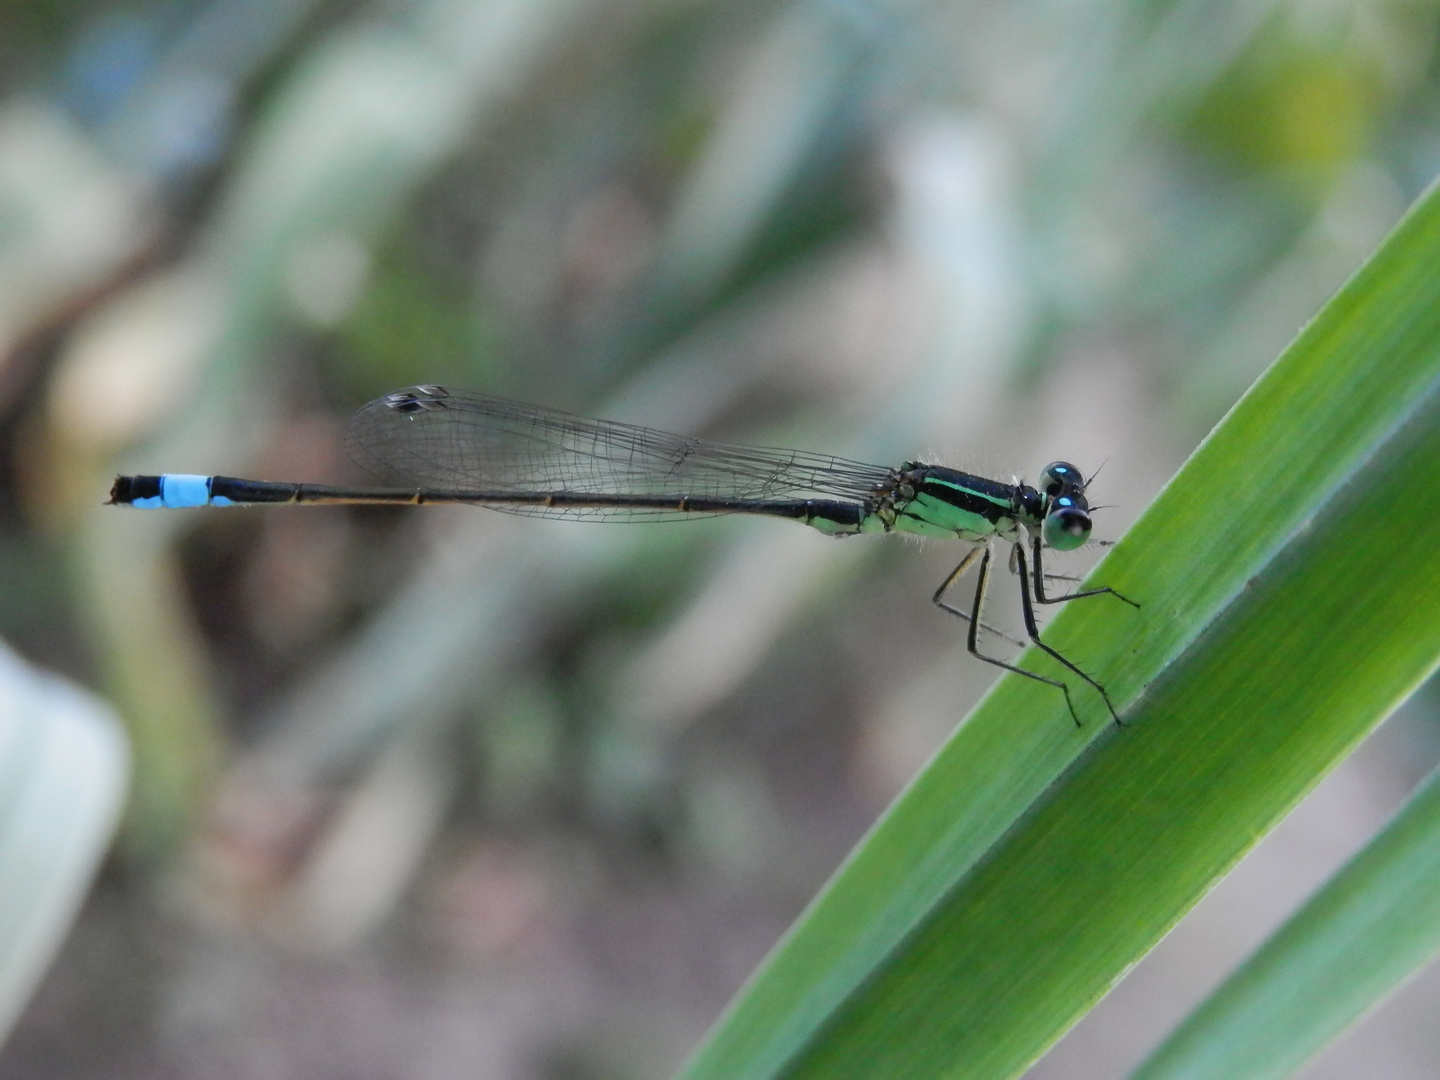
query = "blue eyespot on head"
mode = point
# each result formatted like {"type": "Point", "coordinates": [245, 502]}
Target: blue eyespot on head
{"type": "Point", "coordinates": [1061, 478]}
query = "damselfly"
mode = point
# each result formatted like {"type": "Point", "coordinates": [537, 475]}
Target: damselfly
{"type": "Point", "coordinates": [436, 445]}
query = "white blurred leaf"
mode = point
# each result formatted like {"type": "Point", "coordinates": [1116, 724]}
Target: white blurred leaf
{"type": "Point", "coordinates": [63, 769]}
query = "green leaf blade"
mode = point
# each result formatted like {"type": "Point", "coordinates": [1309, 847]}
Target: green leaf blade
{"type": "Point", "coordinates": [921, 957]}
{"type": "Point", "coordinates": [1019, 951]}
{"type": "Point", "coordinates": [1360, 937]}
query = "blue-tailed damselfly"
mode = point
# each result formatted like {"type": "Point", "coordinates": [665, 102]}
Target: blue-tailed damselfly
{"type": "Point", "coordinates": [436, 445]}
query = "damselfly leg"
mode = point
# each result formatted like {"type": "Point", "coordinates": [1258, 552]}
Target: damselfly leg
{"type": "Point", "coordinates": [1041, 576]}
{"type": "Point", "coordinates": [1034, 631]}
{"type": "Point", "coordinates": [954, 576]}
{"type": "Point", "coordinates": [972, 641]}
{"type": "Point", "coordinates": [1018, 565]}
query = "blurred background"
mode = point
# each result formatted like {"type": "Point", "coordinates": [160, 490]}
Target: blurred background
{"type": "Point", "coordinates": [446, 792]}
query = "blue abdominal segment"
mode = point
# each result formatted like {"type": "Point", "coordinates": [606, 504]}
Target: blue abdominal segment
{"type": "Point", "coordinates": [178, 490]}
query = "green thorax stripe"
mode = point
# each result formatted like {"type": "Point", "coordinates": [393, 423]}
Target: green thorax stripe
{"type": "Point", "coordinates": [949, 503]}
{"type": "Point", "coordinates": [989, 499]}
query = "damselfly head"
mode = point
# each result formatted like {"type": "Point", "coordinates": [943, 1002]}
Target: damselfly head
{"type": "Point", "coordinates": [1067, 523]}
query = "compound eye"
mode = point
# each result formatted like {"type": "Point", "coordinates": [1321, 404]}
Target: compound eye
{"type": "Point", "coordinates": [1067, 525]}
{"type": "Point", "coordinates": [1060, 477]}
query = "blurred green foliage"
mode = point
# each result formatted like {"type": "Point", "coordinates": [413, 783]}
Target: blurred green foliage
{"type": "Point", "coordinates": [410, 324]}
{"type": "Point", "coordinates": [1305, 105]}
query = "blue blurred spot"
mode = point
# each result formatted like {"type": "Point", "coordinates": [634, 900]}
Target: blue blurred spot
{"type": "Point", "coordinates": [109, 60]}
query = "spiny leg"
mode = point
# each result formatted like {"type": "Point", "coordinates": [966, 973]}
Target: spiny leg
{"type": "Point", "coordinates": [1049, 576]}
{"type": "Point", "coordinates": [1034, 631]}
{"type": "Point", "coordinates": [1041, 576]}
{"type": "Point", "coordinates": [954, 576]}
{"type": "Point", "coordinates": [972, 638]}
